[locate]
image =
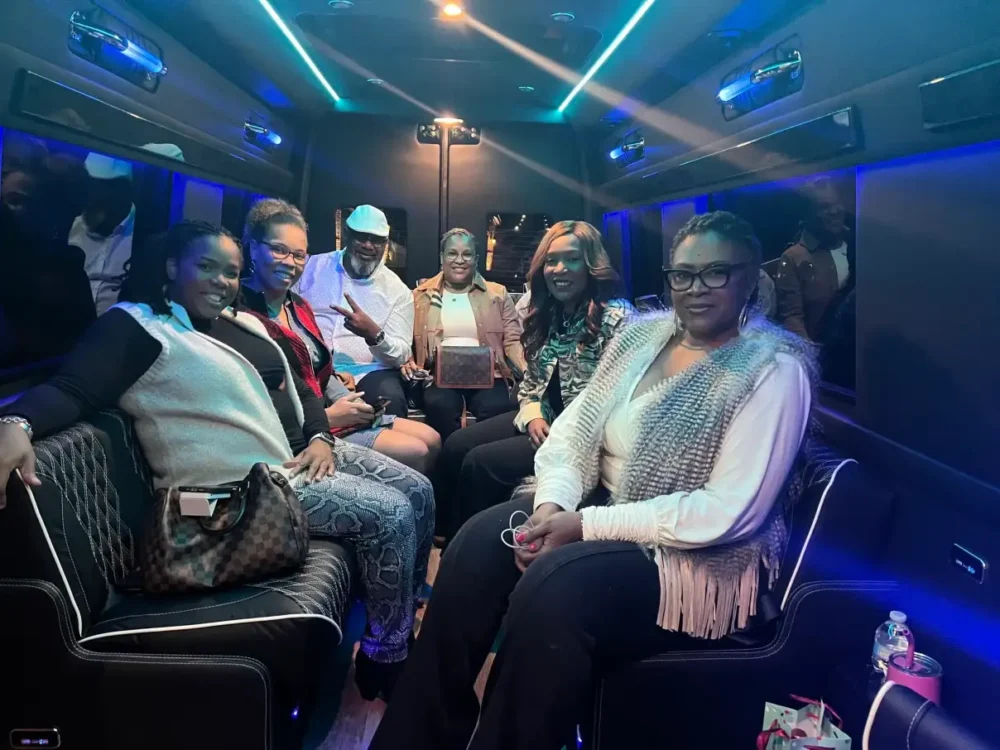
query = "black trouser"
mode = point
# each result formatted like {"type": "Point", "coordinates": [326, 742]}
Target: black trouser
{"type": "Point", "coordinates": [478, 468]}
{"type": "Point", "coordinates": [385, 384]}
{"type": "Point", "coordinates": [443, 406]}
{"type": "Point", "coordinates": [579, 611]}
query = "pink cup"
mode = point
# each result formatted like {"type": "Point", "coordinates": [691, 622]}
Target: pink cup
{"type": "Point", "coordinates": [919, 672]}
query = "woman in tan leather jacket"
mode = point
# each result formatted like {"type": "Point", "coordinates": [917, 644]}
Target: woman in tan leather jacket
{"type": "Point", "coordinates": [460, 308]}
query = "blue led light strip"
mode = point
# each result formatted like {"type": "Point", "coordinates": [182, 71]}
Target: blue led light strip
{"type": "Point", "coordinates": [615, 43]}
{"type": "Point", "coordinates": [299, 48]}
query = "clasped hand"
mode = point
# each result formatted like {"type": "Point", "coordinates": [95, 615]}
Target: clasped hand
{"type": "Point", "coordinates": [550, 527]}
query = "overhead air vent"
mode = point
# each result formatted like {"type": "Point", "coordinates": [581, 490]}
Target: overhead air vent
{"type": "Point", "coordinates": [629, 150]}
{"type": "Point", "coordinates": [770, 76]}
{"type": "Point", "coordinates": [965, 96]}
{"type": "Point", "coordinates": [104, 40]}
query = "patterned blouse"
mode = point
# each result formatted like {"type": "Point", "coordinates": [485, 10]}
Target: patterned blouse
{"type": "Point", "coordinates": [576, 362]}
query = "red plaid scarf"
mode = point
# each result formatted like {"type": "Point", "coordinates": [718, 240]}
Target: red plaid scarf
{"type": "Point", "coordinates": [302, 362]}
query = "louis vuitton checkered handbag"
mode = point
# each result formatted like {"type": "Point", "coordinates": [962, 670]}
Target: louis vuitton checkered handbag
{"type": "Point", "coordinates": [260, 531]}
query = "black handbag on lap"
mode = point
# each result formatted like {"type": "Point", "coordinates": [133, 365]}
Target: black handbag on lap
{"type": "Point", "coordinates": [258, 532]}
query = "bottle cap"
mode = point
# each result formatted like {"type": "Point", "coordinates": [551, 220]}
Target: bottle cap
{"type": "Point", "coordinates": [897, 616]}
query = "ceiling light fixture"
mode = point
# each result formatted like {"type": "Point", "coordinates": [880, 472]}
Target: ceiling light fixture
{"type": "Point", "coordinates": [299, 48]}
{"type": "Point", "coordinates": [615, 43]}
{"type": "Point", "coordinates": [376, 81]}
{"type": "Point", "coordinates": [453, 10]}
{"type": "Point", "coordinates": [341, 4]}
{"type": "Point", "coordinates": [563, 17]}
{"type": "Point", "coordinates": [525, 89]}
{"type": "Point", "coordinates": [448, 120]}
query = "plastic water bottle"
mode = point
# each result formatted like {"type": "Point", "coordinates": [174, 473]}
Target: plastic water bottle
{"type": "Point", "coordinates": [893, 636]}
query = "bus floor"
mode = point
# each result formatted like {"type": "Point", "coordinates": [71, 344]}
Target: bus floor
{"type": "Point", "coordinates": [357, 718]}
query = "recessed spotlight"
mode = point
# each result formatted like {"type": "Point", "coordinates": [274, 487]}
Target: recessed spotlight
{"type": "Point", "coordinates": [453, 10]}
{"type": "Point", "coordinates": [341, 4]}
{"type": "Point", "coordinates": [563, 17]}
{"type": "Point", "coordinates": [525, 89]}
{"type": "Point", "coordinates": [376, 81]}
{"type": "Point", "coordinates": [448, 120]}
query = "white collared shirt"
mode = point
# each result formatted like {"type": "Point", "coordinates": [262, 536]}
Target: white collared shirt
{"type": "Point", "coordinates": [383, 296]}
{"type": "Point", "coordinates": [104, 258]}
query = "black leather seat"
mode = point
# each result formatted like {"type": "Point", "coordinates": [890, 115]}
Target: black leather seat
{"type": "Point", "coordinates": [233, 668]}
{"type": "Point", "coordinates": [899, 718]}
{"type": "Point", "coordinates": [825, 607]}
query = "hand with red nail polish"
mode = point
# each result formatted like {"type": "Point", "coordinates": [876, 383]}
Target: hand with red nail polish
{"type": "Point", "coordinates": [557, 528]}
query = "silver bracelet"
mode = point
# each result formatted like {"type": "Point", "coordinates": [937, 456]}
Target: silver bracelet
{"type": "Point", "coordinates": [21, 422]}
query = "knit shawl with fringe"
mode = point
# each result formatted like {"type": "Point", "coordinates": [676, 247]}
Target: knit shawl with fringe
{"type": "Point", "coordinates": [712, 591]}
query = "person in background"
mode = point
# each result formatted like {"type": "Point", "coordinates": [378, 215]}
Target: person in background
{"type": "Point", "coordinates": [364, 310]}
{"type": "Point", "coordinates": [814, 271]}
{"type": "Point", "coordinates": [105, 229]}
{"type": "Point", "coordinates": [275, 236]}
{"type": "Point", "coordinates": [458, 307]}
{"type": "Point", "coordinates": [523, 306]}
{"type": "Point", "coordinates": [683, 453]}
{"type": "Point", "coordinates": [211, 396]}
{"type": "Point", "coordinates": [574, 313]}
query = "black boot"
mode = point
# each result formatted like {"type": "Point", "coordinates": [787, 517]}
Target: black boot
{"type": "Point", "coordinates": [375, 678]}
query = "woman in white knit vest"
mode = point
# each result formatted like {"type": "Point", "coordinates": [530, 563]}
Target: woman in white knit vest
{"type": "Point", "coordinates": [212, 395]}
{"type": "Point", "coordinates": [661, 491]}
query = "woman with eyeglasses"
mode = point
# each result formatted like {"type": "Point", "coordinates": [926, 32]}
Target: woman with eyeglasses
{"type": "Point", "coordinates": [459, 308]}
{"type": "Point", "coordinates": [662, 493]}
{"type": "Point", "coordinates": [211, 395]}
{"type": "Point", "coordinates": [575, 311]}
{"type": "Point", "coordinates": [275, 236]}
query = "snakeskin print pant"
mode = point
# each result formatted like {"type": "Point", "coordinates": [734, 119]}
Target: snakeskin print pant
{"type": "Point", "coordinates": [386, 511]}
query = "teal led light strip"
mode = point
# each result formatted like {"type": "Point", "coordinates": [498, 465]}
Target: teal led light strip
{"type": "Point", "coordinates": [626, 30]}
{"type": "Point", "coordinates": [299, 48]}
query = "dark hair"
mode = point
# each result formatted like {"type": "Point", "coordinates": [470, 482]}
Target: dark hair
{"type": "Point", "coordinates": [603, 285]}
{"type": "Point", "coordinates": [146, 280]}
{"type": "Point", "coordinates": [270, 211]}
{"type": "Point", "coordinates": [728, 226]}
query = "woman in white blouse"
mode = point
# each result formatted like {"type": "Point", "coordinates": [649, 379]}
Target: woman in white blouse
{"type": "Point", "coordinates": [661, 491]}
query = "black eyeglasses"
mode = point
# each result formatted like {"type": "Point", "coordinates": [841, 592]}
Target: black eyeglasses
{"type": "Point", "coordinates": [373, 239]}
{"type": "Point", "coordinates": [280, 252]}
{"type": "Point", "coordinates": [715, 276]}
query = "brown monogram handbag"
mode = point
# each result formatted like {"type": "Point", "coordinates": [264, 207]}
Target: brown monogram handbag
{"type": "Point", "coordinates": [464, 367]}
{"type": "Point", "coordinates": [260, 531]}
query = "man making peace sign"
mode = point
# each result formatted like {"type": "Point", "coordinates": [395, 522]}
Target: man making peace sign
{"type": "Point", "coordinates": [364, 310]}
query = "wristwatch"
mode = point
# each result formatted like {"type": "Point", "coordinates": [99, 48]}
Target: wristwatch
{"type": "Point", "coordinates": [326, 438]}
{"type": "Point", "coordinates": [21, 422]}
{"type": "Point", "coordinates": [379, 338]}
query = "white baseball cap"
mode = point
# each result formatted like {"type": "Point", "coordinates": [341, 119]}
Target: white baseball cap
{"type": "Point", "coordinates": [369, 220]}
{"type": "Point", "coordinates": [102, 167]}
{"type": "Point", "coordinates": [169, 150]}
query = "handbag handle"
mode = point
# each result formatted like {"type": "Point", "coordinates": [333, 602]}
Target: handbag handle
{"type": "Point", "coordinates": [242, 489]}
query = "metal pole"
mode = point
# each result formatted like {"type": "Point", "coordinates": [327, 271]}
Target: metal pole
{"type": "Point", "coordinates": [445, 163]}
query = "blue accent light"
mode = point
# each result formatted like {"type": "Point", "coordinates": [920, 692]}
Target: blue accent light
{"type": "Point", "coordinates": [260, 135]}
{"type": "Point", "coordinates": [616, 153]}
{"type": "Point", "coordinates": [734, 89]}
{"type": "Point", "coordinates": [615, 43]}
{"type": "Point", "coordinates": [295, 712]}
{"type": "Point", "coordinates": [80, 27]}
{"type": "Point", "coordinates": [299, 48]}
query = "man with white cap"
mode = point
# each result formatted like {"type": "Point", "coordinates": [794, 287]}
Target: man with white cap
{"type": "Point", "coordinates": [364, 310]}
{"type": "Point", "coordinates": [104, 230]}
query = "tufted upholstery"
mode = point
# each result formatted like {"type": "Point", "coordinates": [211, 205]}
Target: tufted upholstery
{"type": "Point", "coordinates": [67, 566]}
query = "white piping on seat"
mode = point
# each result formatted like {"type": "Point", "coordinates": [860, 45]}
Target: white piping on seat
{"type": "Point", "coordinates": [876, 704]}
{"type": "Point", "coordinates": [812, 528]}
{"type": "Point", "coordinates": [220, 623]}
{"type": "Point", "coordinates": [55, 557]}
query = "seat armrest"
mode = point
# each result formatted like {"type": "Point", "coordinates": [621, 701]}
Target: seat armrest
{"type": "Point", "coordinates": [825, 623]}
{"type": "Point", "coordinates": [123, 701]}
